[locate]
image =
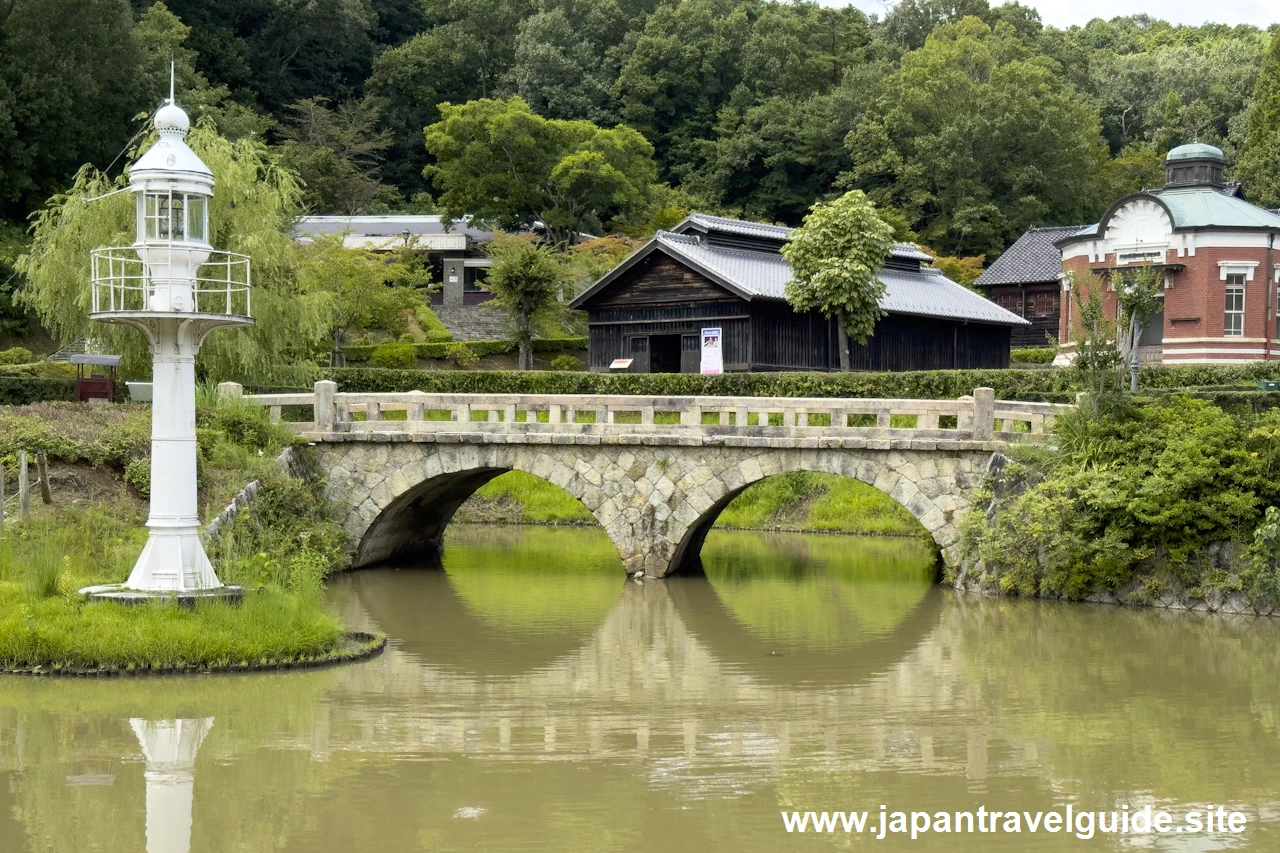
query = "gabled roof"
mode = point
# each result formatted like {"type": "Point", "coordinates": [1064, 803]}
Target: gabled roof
{"type": "Point", "coordinates": [1033, 257]}
{"type": "Point", "coordinates": [752, 275]}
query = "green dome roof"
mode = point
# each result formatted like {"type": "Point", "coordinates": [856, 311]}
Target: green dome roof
{"type": "Point", "coordinates": [1196, 151]}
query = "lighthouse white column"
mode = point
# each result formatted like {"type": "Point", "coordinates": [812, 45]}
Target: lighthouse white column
{"type": "Point", "coordinates": [174, 559]}
{"type": "Point", "coordinates": [169, 747]}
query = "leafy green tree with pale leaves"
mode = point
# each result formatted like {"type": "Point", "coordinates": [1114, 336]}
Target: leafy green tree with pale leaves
{"type": "Point", "coordinates": [526, 279]}
{"type": "Point", "coordinates": [834, 257]}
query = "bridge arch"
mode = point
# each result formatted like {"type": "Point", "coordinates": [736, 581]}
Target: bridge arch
{"type": "Point", "coordinates": [656, 502]}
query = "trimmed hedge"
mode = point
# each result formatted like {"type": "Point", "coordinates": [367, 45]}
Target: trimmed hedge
{"type": "Point", "coordinates": [1009, 384]}
{"type": "Point", "coordinates": [364, 352]}
{"type": "Point", "coordinates": [1050, 386]}
{"type": "Point", "coordinates": [1032, 355]}
{"type": "Point", "coordinates": [20, 392]}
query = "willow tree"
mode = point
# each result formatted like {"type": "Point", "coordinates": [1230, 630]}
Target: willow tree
{"type": "Point", "coordinates": [834, 256]}
{"type": "Point", "coordinates": [253, 207]}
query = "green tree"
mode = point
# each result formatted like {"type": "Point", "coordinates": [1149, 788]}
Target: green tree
{"type": "Point", "coordinates": [252, 209]}
{"type": "Point", "coordinates": [526, 280]}
{"type": "Point", "coordinates": [465, 54]}
{"type": "Point", "coordinates": [564, 64]}
{"type": "Point", "coordinates": [68, 69]}
{"type": "Point", "coordinates": [678, 73]}
{"type": "Point", "coordinates": [356, 285]}
{"type": "Point", "coordinates": [497, 160]}
{"type": "Point", "coordinates": [1259, 166]}
{"type": "Point", "coordinates": [977, 139]}
{"type": "Point", "coordinates": [338, 154]}
{"type": "Point", "coordinates": [834, 256]}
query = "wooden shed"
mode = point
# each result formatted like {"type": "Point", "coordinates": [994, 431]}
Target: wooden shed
{"type": "Point", "coordinates": [712, 272]}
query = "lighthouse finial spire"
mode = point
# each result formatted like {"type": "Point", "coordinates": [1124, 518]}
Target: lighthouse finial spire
{"type": "Point", "coordinates": [171, 79]}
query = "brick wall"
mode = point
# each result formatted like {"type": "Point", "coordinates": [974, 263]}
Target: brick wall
{"type": "Point", "coordinates": [1195, 306]}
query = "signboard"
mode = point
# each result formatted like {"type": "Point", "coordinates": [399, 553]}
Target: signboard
{"type": "Point", "coordinates": [712, 363]}
{"type": "Point", "coordinates": [620, 364]}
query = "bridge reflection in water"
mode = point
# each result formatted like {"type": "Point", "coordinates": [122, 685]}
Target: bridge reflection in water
{"type": "Point", "coordinates": [531, 700]}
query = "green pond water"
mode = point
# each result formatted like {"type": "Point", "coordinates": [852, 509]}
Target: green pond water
{"type": "Point", "coordinates": [532, 698]}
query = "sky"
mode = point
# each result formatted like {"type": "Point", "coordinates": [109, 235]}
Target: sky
{"type": "Point", "coordinates": [1064, 13]}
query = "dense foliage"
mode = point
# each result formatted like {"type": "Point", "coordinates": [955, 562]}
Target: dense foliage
{"type": "Point", "coordinates": [970, 121]}
{"type": "Point", "coordinates": [1152, 497]}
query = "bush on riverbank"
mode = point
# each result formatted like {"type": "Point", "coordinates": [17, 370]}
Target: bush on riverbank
{"type": "Point", "coordinates": [800, 500]}
{"type": "Point", "coordinates": [1157, 500]}
{"type": "Point", "coordinates": [283, 542]}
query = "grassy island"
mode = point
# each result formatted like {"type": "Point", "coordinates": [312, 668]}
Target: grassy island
{"type": "Point", "coordinates": [283, 544]}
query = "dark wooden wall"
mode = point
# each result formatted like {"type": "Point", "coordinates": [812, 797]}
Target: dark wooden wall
{"type": "Point", "coordinates": [903, 342]}
{"type": "Point", "coordinates": [662, 297]}
{"type": "Point", "coordinates": [786, 340]}
{"type": "Point", "coordinates": [1021, 300]}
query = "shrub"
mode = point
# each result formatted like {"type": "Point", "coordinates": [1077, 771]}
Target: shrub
{"type": "Point", "coordinates": [396, 356]}
{"type": "Point", "coordinates": [137, 473]}
{"type": "Point", "coordinates": [566, 362]}
{"type": "Point", "coordinates": [431, 324]}
{"type": "Point", "coordinates": [21, 391]}
{"type": "Point", "coordinates": [462, 355]}
{"type": "Point", "coordinates": [40, 370]}
{"type": "Point", "coordinates": [1032, 355]}
{"type": "Point", "coordinates": [16, 355]}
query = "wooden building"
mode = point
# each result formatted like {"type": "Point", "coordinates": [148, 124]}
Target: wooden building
{"type": "Point", "coordinates": [711, 272]}
{"type": "Point", "coordinates": [1026, 280]}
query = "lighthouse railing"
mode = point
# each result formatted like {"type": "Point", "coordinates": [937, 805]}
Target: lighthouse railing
{"type": "Point", "coordinates": [120, 281]}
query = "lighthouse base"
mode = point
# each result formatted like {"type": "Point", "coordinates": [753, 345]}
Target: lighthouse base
{"type": "Point", "coordinates": [122, 594]}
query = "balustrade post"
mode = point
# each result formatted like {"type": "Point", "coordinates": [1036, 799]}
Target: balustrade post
{"type": "Point", "coordinates": [325, 404]}
{"type": "Point", "coordinates": [230, 389]}
{"type": "Point", "coordinates": [984, 413]}
{"type": "Point", "coordinates": [884, 419]}
{"type": "Point", "coordinates": [462, 413]}
{"type": "Point", "coordinates": [373, 411]}
{"type": "Point", "coordinates": [417, 408]}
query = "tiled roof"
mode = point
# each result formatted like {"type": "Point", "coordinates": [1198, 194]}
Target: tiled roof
{"type": "Point", "coordinates": [927, 293]}
{"type": "Point", "coordinates": [1032, 257]}
{"type": "Point", "coordinates": [745, 228]}
{"type": "Point", "coordinates": [739, 226]}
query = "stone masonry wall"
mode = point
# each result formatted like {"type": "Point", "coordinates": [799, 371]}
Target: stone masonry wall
{"type": "Point", "coordinates": [655, 502]}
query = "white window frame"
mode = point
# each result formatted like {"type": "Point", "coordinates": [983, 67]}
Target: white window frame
{"type": "Point", "coordinates": [1233, 318]}
{"type": "Point", "coordinates": [1245, 268]}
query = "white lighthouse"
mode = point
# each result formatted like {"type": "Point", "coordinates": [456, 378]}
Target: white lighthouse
{"type": "Point", "coordinates": [176, 288]}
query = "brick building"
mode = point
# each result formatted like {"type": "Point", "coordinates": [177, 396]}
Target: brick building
{"type": "Point", "coordinates": [1214, 250]}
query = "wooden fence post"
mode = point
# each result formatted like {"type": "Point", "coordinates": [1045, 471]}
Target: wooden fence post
{"type": "Point", "coordinates": [42, 468]}
{"type": "Point", "coordinates": [24, 485]}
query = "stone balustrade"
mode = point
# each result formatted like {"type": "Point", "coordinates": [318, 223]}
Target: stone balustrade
{"type": "Point", "coordinates": [749, 421]}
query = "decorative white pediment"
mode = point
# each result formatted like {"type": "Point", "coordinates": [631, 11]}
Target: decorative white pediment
{"type": "Point", "coordinates": [1140, 222]}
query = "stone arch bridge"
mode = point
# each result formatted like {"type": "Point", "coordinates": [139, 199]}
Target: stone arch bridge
{"type": "Point", "coordinates": [654, 471]}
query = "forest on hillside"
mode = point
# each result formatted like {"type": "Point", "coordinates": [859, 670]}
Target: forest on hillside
{"type": "Point", "coordinates": [966, 123]}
